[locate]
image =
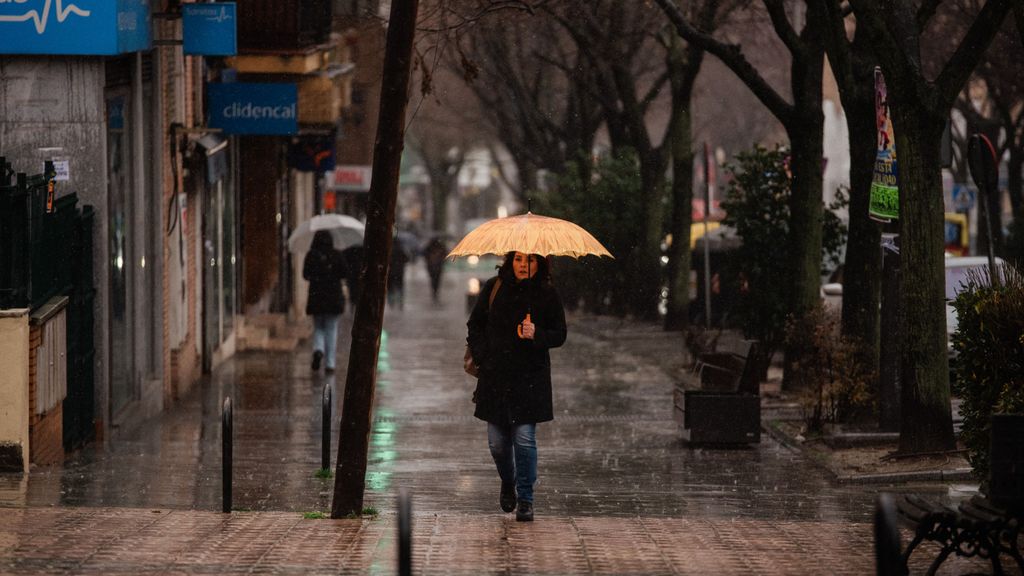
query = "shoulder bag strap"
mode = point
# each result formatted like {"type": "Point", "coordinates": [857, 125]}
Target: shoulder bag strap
{"type": "Point", "coordinates": [494, 292]}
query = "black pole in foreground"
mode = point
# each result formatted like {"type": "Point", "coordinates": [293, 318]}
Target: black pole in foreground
{"type": "Point", "coordinates": [226, 441]}
{"type": "Point", "coordinates": [325, 453]}
{"type": "Point", "coordinates": [888, 560]}
{"type": "Point", "coordinates": [404, 533]}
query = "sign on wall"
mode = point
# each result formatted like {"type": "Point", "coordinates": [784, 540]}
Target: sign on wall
{"type": "Point", "coordinates": [253, 108]}
{"type": "Point", "coordinates": [349, 178]}
{"type": "Point", "coordinates": [210, 29]}
{"type": "Point", "coordinates": [67, 27]}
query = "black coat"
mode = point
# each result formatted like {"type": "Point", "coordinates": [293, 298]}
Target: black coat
{"type": "Point", "coordinates": [325, 268]}
{"type": "Point", "coordinates": [515, 374]}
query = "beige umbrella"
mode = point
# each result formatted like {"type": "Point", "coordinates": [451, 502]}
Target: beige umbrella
{"type": "Point", "coordinates": [530, 234]}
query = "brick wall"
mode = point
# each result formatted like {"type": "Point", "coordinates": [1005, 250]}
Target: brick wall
{"type": "Point", "coordinates": [179, 75]}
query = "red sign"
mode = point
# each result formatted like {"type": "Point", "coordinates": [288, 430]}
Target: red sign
{"type": "Point", "coordinates": [350, 178]}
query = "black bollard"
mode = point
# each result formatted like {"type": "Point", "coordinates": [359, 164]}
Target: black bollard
{"type": "Point", "coordinates": [888, 559]}
{"type": "Point", "coordinates": [226, 441]}
{"type": "Point", "coordinates": [325, 453]}
{"type": "Point", "coordinates": [404, 533]}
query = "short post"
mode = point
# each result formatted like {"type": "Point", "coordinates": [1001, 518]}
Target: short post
{"type": "Point", "coordinates": [226, 441]}
{"type": "Point", "coordinates": [325, 453]}
{"type": "Point", "coordinates": [888, 558]}
{"type": "Point", "coordinates": [404, 533]}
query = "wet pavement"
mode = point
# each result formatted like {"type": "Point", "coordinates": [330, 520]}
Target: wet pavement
{"type": "Point", "coordinates": [619, 491]}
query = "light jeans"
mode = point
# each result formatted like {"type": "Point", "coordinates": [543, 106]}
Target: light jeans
{"type": "Point", "coordinates": [325, 337]}
{"type": "Point", "coordinates": [514, 449]}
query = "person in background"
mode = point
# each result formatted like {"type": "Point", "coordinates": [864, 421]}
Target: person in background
{"type": "Point", "coordinates": [325, 268]}
{"type": "Point", "coordinates": [509, 339]}
{"type": "Point", "coordinates": [434, 254]}
{"type": "Point", "coordinates": [354, 260]}
{"type": "Point", "coordinates": [396, 275]}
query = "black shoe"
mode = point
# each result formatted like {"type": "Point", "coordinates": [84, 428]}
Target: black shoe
{"type": "Point", "coordinates": [525, 512]}
{"type": "Point", "coordinates": [317, 356]}
{"type": "Point", "coordinates": [508, 497]}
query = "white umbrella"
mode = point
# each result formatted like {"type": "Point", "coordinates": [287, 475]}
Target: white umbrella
{"type": "Point", "coordinates": [345, 231]}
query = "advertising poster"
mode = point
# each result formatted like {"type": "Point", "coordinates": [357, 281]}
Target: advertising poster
{"type": "Point", "coordinates": [885, 197]}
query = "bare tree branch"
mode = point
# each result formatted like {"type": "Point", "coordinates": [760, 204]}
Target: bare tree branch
{"type": "Point", "coordinates": [789, 37]}
{"type": "Point", "coordinates": [971, 50]}
{"type": "Point", "coordinates": [732, 57]}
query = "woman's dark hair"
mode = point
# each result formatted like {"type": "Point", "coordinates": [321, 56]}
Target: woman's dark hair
{"type": "Point", "coordinates": [543, 274]}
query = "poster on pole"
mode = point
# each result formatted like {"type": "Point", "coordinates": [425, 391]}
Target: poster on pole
{"type": "Point", "coordinates": [885, 197]}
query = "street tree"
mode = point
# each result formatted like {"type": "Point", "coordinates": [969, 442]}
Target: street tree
{"type": "Point", "coordinates": [618, 40]}
{"type": "Point", "coordinates": [803, 121]}
{"type": "Point", "coordinates": [851, 54]}
{"type": "Point", "coordinates": [919, 106]}
{"type": "Point", "coordinates": [1001, 72]}
{"type": "Point", "coordinates": [441, 132]}
{"type": "Point", "coordinates": [534, 93]}
{"type": "Point", "coordinates": [683, 61]}
{"type": "Point", "coordinates": [989, 104]}
{"type": "Point", "coordinates": [360, 380]}
{"type": "Point", "coordinates": [354, 436]}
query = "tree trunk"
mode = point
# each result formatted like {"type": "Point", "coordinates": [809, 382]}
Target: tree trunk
{"type": "Point", "coordinates": [862, 271]}
{"type": "Point", "coordinates": [646, 258]}
{"type": "Point", "coordinates": [682, 72]}
{"type": "Point", "coordinates": [678, 269]}
{"type": "Point", "coordinates": [805, 206]}
{"type": "Point", "coordinates": [926, 424]}
{"type": "Point", "coordinates": [357, 409]}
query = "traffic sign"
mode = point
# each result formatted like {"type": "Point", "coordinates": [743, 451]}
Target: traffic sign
{"type": "Point", "coordinates": [963, 198]}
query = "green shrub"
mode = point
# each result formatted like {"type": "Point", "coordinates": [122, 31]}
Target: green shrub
{"type": "Point", "coordinates": [757, 206]}
{"type": "Point", "coordinates": [989, 366]}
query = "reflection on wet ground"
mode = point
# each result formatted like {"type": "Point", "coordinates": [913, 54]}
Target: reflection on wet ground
{"type": "Point", "coordinates": [613, 449]}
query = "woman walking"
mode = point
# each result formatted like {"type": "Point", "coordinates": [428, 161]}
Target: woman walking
{"type": "Point", "coordinates": [509, 338]}
{"type": "Point", "coordinates": [325, 268]}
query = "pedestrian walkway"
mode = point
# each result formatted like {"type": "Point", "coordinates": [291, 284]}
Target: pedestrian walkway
{"type": "Point", "coordinates": [619, 493]}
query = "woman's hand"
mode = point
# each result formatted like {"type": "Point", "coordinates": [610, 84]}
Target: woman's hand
{"type": "Point", "coordinates": [527, 329]}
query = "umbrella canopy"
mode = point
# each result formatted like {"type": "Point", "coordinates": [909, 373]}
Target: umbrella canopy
{"type": "Point", "coordinates": [719, 239]}
{"type": "Point", "coordinates": [530, 234]}
{"type": "Point", "coordinates": [345, 231]}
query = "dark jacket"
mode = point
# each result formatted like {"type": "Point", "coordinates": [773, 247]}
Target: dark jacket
{"type": "Point", "coordinates": [515, 374]}
{"type": "Point", "coordinates": [324, 267]}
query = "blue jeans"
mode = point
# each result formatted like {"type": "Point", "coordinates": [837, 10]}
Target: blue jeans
{"type": "Point", "coordinates": [514, 449]}
{"type": "Point", "coordinates": [325, 337]}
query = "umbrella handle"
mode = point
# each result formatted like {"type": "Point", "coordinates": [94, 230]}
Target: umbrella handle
{"type": "Point", "coordinates": [519, 328]}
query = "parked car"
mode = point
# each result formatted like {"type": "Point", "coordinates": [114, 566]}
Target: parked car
{"type": "Point", "coordinates": [957, 270]}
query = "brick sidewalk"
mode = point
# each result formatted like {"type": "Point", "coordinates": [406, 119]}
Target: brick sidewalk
{"type": "Point", "coordinates": [140, 541]}
{"type": "Point", "coordinates": [619, 492]}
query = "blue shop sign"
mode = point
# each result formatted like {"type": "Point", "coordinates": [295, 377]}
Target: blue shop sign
{"type": "Point", "coordinates": [251, 108]}
{"type": "Point", "coordinates": [71, 27]}
{"type": "Point", "coordinates": [210, 29]}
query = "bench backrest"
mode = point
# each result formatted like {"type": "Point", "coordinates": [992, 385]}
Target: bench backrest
{"type": "Point", "coordinates": [732, 369]}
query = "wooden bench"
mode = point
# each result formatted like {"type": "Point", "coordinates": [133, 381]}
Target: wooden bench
{"type": "Point", "coordinates": [720, 402]}
{"type": "Point", "coordinates": [974, 528]}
